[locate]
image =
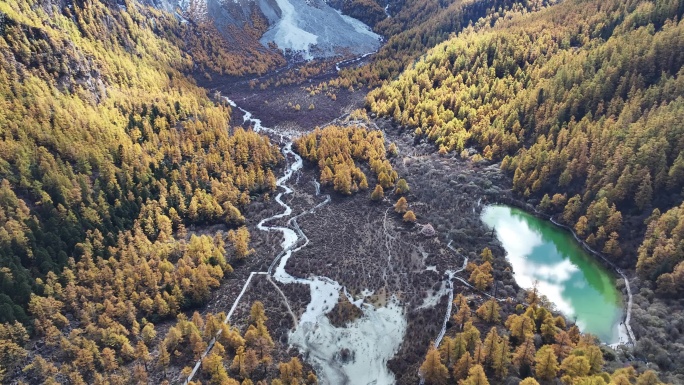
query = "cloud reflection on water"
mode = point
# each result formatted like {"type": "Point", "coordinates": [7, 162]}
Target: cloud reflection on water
{"type": "Point", "coordinates": [536, 253]}
{"type": "Point", "coordinates": [520, 241]}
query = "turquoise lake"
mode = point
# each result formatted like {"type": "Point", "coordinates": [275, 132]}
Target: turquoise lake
{"type": "Point", "coordinates": [579, 285]}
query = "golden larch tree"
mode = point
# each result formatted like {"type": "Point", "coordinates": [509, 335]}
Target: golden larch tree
{"type": "Point", "coordinates": [401, 206]}
{"type": "Point", "coordinates": [490, 311]}
{"type": "Point", "coordinates": [476, 376]}
{"type": "Point", "coordinates": [432, 370]}
{"type": "Point", "coordinates": [546, 366]}
{"type": "Point", "coordinates": [409, 217]}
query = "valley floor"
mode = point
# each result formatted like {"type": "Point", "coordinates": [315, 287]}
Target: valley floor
{"type": "Point", "coordinates": [365, 246]}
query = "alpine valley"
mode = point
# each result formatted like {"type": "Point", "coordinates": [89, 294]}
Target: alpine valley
{"type": "Point", "coordinates": [342, 192]}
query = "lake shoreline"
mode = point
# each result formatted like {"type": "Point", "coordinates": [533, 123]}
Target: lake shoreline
{"type": "Point", "coordinates": [625, 326]}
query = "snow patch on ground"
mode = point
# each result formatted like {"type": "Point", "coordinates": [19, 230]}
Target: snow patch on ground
{"type": "Point", "coordinates": [433, 297]}
{"type": "Point", "coordinates": [358, 25]}
{"type": "Point", "coordinates": [311, 28]}
{"type": "Point", "coordinates": [314, 29]}
{"type": "Point", "coordinates": [623, 336]}
{"type": "Point", "coordinates": [198, 10]}
{"type": "Point", "coordinates": [287, 34]}
{"type": "Point", "coordinates": [356, 354]}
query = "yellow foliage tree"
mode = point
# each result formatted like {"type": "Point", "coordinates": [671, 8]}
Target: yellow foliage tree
{"type": "Point", "coordinates": [401, 206]}
{"type": "Point", "coordinates": [409, 216]}
{"type": "Point", "coordinates": [432, 370]}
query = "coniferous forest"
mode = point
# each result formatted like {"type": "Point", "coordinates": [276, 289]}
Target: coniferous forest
{"type": "Point", "coordinates": [171, 212]}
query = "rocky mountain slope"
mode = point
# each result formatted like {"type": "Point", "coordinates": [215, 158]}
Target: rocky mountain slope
{"type": "Point", "coordinates": [310, 28]}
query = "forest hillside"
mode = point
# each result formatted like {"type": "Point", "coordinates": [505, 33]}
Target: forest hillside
{"type": "Point", "coordinates": [413, 27]}
{"type": "Point", "coordinates": [127, 193]}
{"type": "Point", "coordinates": [581, 102]}
{"type": "Point", "coordinates": [108, 154]}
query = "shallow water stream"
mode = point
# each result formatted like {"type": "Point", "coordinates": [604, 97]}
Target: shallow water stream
{"type": "Point", "coordinates": [369, 341]}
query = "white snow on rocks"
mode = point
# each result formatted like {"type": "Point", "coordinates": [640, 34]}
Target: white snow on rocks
{"type": "Point", "coordinates": [358, 25]}
{"type": "Point", "coordinates": [311, 28]}
{"type": "Point", "coordinates": [314, 29]}
{"type": "Point", "coordinates": [433, 297]}
{"type": "Point", "coordinates": [287, 34]}
{"type": "Point", "coordinates": [356, 354]}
